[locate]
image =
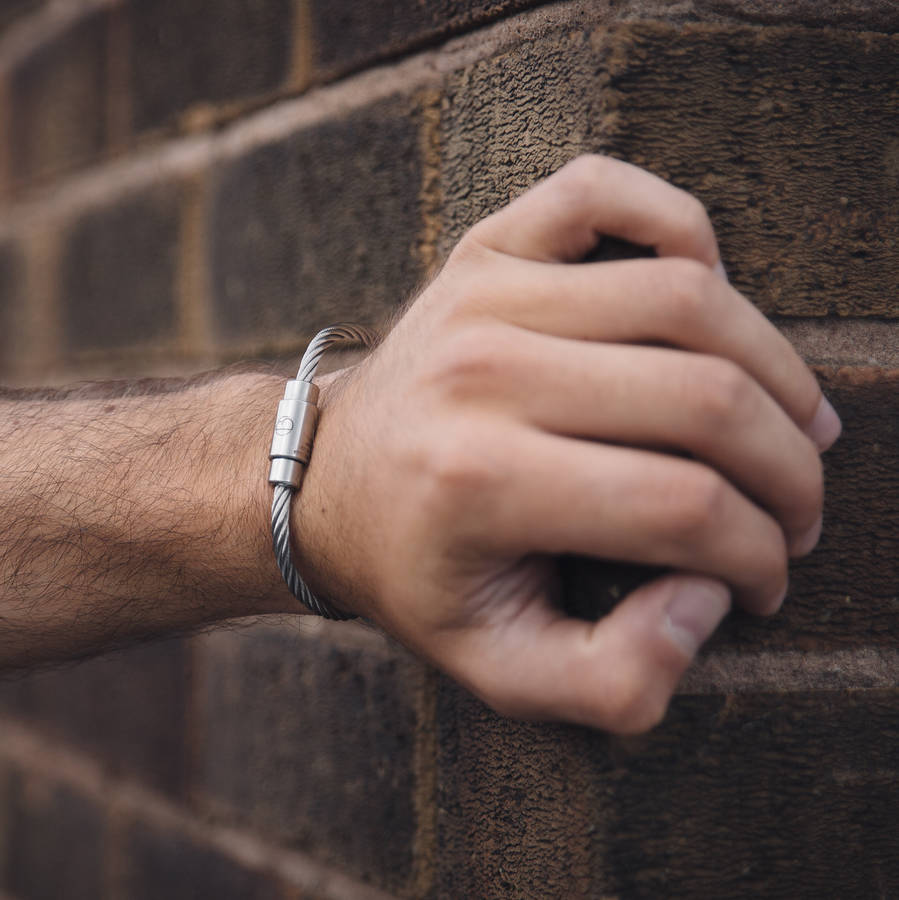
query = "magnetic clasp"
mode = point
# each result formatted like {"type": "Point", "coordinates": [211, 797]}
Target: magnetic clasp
{"type": "Point", "coordinates": [293, 433]}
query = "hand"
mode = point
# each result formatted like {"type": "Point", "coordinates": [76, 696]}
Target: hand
{"type": "Point", "coordinates": [526, 407]}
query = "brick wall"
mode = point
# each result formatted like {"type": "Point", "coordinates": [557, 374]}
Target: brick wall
{"type": "Point", "coordinates": [185, 183]}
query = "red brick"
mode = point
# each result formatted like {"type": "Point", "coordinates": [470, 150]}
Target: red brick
{"type": "Point", "coordinates": [58, 105]}
{"type": "Point", "coordinates": [312, 745]}
{"type": "Point", "coordinates": [205, 51]}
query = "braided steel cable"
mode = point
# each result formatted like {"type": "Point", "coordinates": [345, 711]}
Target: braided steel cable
{"type": "Point", "coordinates": [291, 447]}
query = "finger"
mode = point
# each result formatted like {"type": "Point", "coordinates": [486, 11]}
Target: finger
{"type": "Point", "coordinates": [557, 495]}
{"type": "Point", "coordinates": [562, 218]}
{"type": "Point", "coordinates": [669, 399]}
{"type": "Point", "coordinates": [675, 302]}
{"type": "Point", "coordinates": [617, 674]}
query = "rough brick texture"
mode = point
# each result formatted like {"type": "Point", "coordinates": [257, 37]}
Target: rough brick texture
{"type": "Point", "coordinates": [754, 122]}
{"type": "Point", "coordinates": [320, 227]}
{"type": "Point", "coordinates": [742, 796]}
{"type": "Point", "coordinates": [349, 34]}
{"type": "Point", "coordinates": [118, 271]}
{"type": "Point", "coordinates": [128, 711]}
{"type": "Point", "coordinates": [205, 51]}
{"type": "Point", "coordinates": [58, 102]}
{"type": "Point", "coordinates": [297, 740]}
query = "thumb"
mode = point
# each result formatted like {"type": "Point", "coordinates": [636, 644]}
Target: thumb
{"type": "Point", "coordinates": [617, 674]}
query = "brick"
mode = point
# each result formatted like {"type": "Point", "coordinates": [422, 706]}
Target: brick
{"type": "Point", "coordinates": [205, 51]}
{"type": "Point", "coordinates": [867, 15]}
{"type": "Point", "coordinates": [127, 710]}
{"type": "Point", "coordinates": [787, 135]}
{"type": "Point", "coordinates": [118, 271]}
{"type": "Point", "coordinates": [504, 128]}
{"type": "Point", "coordinates": [348, 35]}
{"type": "Point", "coordinates": [312, 745]}
{"type": "Point", "coordinates": [57, 98]}
{"type": "Point", "coordinates": [14, 9]}
{"type": "Point", "coordinates": [741, 796]}
{"type": "Point", "coordinates": [845, 593]}
{"type": "Point", "coordinates": [46, 822]}
{"type": "Point", "coordinates": [319, 227]}
{"type": "Point", "coordinates": [11, 305]}
{"type": "Point", "coordinates": [166, 863]}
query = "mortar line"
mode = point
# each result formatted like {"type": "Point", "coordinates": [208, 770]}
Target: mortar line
{"type": "Point", "coordinates": [27, 749]}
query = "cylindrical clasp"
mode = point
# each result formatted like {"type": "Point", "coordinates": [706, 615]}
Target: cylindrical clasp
{"type": "Point", "coordinates": [293, 433]}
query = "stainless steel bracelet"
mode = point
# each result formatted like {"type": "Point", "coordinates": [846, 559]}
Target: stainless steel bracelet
{"type": "Point", "coordinates": [291, 450]}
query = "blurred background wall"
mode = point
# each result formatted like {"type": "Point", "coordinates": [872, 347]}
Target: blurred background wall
{"type": "Point", "coordinates": [189, 182]}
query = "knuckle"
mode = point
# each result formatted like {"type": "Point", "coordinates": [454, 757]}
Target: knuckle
{"type": "Point", "coordinates": [468, 362]}
{"type": "Point", "coordinates": [689, 287]}
{"type": "Point", "coordinates": [720, 392]}
{"type": "Point", "coordinates": [699, 504]}
{"type": "Point", "coordinates": [576, 178]}
{"type": "Point", "coordinates": [460, 465]}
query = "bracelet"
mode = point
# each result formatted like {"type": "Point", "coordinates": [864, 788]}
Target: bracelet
{"type": "Point", "coordinates": [292, 446]}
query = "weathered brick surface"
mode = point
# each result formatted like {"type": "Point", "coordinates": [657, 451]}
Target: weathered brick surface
{"type": "Point", "coordinates": [55, 841]}
{"type": "Point", "coordinates": [756, 122]}
{"type": "Point", "coordinates": [205, 51]}
{"type": "Point", "coordinates": [162, 862]}
{"type": "Point", "coordinates": [312, 744]}
{"type": "Point", "coordinates": [867, 15]}
{"type": "Point", "coordinates": [782, 796]}
{"type": "Point", "coordinates": [349, 34]}
{"type": "Point", "coordinates": [847, 592]}
{"type": "Point", "coordinates": [320, 227]}
{"type": "Point", "coordinates": [57, 100]}
{"type": "Point", "coordinates": [118, 271]}
{"type": "Point", "coordinates": [128, 710]}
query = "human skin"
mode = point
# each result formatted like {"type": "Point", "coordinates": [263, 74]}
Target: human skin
{"type": "Point", "coordinates": [526, 405]}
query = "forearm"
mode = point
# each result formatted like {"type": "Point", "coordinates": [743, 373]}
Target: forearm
{"type": "Point", "coordinates": [132, 516]}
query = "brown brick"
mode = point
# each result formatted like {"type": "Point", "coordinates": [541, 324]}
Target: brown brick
{"type": "Point", "coordinates": [118, 271]}
{"type": "Point", "coordinates": [787, 135]}
{"type": "Point", "coordinates": [783, 796]}
{"type": "Point", "coordinates": [319, 227]}
{"type": "Point", "coordinates": [847, 592]}
{"type": "Point", "coordinates": [58, 106]}
{"type": "Point", "coordinates": [348, 35]}
{"type": "Point", "coordinates": [205, 51]}
{"type": "Point", "coordinates": [128, 710]}
{"type": "Point", "coordinates": [866, 15]}
{"type": "Point", "coordinates": [312, 744]}
{"type": "Point", "coordinates": [55, 841]}
{"type": "Point", "coordinates": [11, 306]}
{"type": "Point", "coordinates": [789, 138]}
{"type": "Point", "coordinates": [504, 128]}
{"type": "Point", "coordinates": [166, 863]}
{"type": "Point", "coordinates": [13, 9]}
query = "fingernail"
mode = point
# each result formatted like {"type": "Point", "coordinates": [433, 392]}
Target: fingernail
{"type": "Point", "coordinates": [720, 271]}
{"type": "Point", "coordinates": [809, 540]}
{"type": "Point", "coordinates": [695, 611]}
{"type": "Point", "coordinates": [826, 425]}
{"type": "Point", "coordinates": [780, 601]}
